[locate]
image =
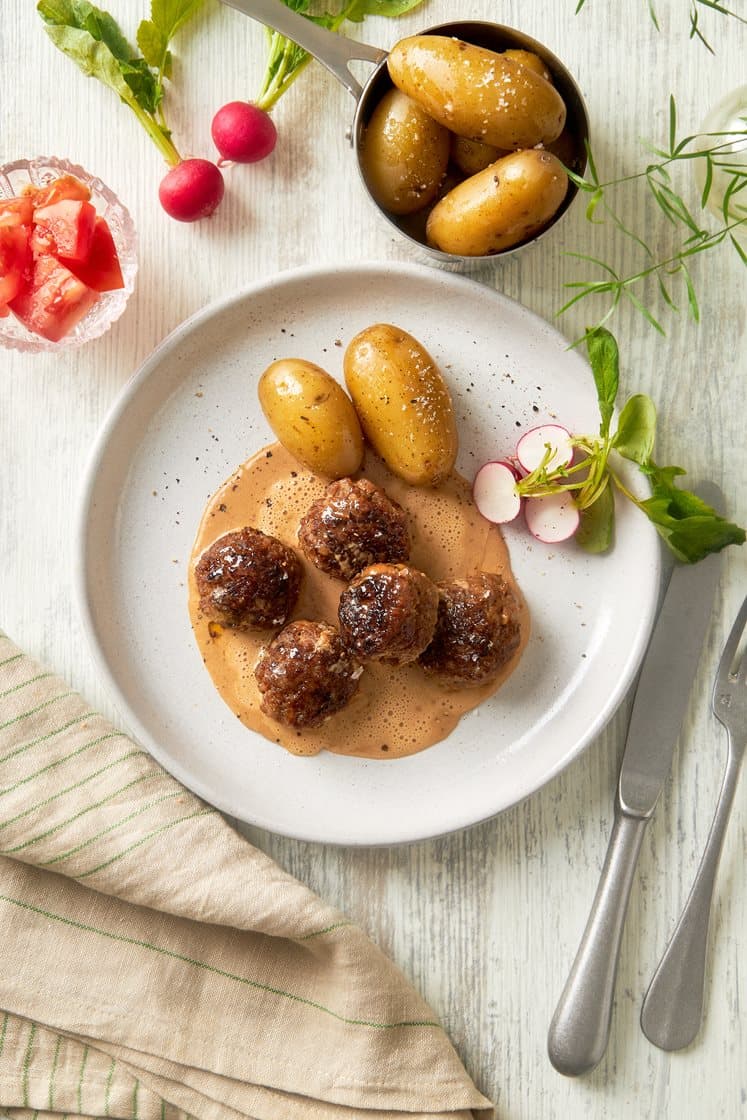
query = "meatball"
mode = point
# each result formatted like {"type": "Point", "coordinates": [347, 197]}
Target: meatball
{"type": "Point", "coordinates": [305, 674]}
{"type": "Point", "coordinates": [248, 580]}
{"type": "Point", "coordinates": [388, 613]}
{"type": "Point", "coordinates": [352, 525]}
{"type": "Point", "coordinates": [477, 630]}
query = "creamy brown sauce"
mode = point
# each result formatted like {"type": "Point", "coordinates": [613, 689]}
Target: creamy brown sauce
{"type": "Point", "coordinates": [396, 711]}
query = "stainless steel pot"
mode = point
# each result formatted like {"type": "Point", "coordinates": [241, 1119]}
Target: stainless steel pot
{"type": "Point", "coordinates": [336, 52]}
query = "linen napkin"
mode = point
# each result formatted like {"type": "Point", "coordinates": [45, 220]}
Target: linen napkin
{"type": "Point", "coordinates": [154, 965]}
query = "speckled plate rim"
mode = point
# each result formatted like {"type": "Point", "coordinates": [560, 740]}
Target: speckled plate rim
{"type": "Point", "coordinates": [484, 767]}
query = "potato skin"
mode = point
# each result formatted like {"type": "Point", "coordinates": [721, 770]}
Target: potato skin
{"type": "Point", "coordinates": [530, 59]}
{"type": "Point", "coordinates": [404, 154]}
{"type": "Point", "coordinates": [312, 417]}
{"type": "Point", "coordinates": [499, 207]}
{"type": "Point", "coordinates": [471, 156]}
{"type": "Point", "coordinates": [477, 93]}
{"type": "Point", "coordinates": [403, 403]}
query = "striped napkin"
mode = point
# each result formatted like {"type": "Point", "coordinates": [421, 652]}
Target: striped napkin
{"type": "Point", "coordinates": [155, 966]}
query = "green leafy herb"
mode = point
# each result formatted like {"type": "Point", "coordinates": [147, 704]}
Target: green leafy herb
{"type": "Point", "coordinates": [690, 527]}
{"type": "Point", "coordinates": [96, 44]}
{"type": "Point", "coordinates": [716, 153]}
{"type": "Point", "coordinates": [286, 60]}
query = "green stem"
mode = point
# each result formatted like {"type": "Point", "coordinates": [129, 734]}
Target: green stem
{"type": "Point", "coordinates": [159, 138]}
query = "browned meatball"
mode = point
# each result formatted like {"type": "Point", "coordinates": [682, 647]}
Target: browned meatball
{"type": "Point", "coordinates": [389, 612]}
{"type": "Point", "coordinates": [248, 580]}
{"type": "Point", "coordinates": [354, 524]}
{"type": "Point", "coordinates": [305, 674]}
{"type": "Point", "coordinates": [477, 630]}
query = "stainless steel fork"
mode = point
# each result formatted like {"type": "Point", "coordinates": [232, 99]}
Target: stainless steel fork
{"type": "Point", "coordinates": [673, 1007]}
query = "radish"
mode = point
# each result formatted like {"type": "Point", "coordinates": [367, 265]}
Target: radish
{"type": "Point", "coordinates": [191, 190]}
{"type": "Point", "coordinates": [243, 133]}
{"type": "Point", "coordinates": [553, 518]}
{"type": "Point", "coordinates": [532, 447]}
{"type": "Point", "coordinates": [494, 491]}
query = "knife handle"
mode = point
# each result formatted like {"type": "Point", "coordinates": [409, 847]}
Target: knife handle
{"type": "Point", "coordinates": [673, 1006]}
{"type": "Point", "coordinates": [580, 1026]}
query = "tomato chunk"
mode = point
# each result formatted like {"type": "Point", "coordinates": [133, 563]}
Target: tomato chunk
{"type": "Point", "coordinates": [66, 186]}
{"type": "Point", "coordinates": [53, 300]}
{"type": "Point", "coordinates": [70, 224]}
{"type": "Point", "coordinates": [16, 211]}
{"type": "Point", "coordinates": [100, 270]}
{"type": "Point", "coordinates": [15, 261]}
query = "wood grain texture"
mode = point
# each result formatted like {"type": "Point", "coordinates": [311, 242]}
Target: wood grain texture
{"type": "Point", "coordinates": [486, 922]}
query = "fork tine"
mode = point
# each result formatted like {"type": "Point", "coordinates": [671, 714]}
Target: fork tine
{"type": "Point", "coordinates": [724, 676]}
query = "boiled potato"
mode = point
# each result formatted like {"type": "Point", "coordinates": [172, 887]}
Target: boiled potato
{"type": "Point", "coordinates": [404, 154]}
{"type": "Point", "coordinates": [476, 92]}
{"type": "Point", "coordinates": [530, 59]}
{"type": "Point", "coordinates": [403, 403]}
{"type": "Point", "coordinates": [312, 417]}
{"type": "Point", "coordinates": [499, 207]}
{"type": "Point", "coordinates": [471, 156]}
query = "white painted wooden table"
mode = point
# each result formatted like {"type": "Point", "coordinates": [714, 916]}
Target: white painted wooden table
{"type": "Point", "coordinates": [485, 922]}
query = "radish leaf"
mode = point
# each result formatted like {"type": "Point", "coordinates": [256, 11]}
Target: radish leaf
{"type": "Point", "coordinates": [636, 429]}
{"type": "Point", "coordinates": [596, 530]}
{"type": "Point", "coordinates": [690, 527]}
{"type": "Point", "coordinates": [604, 359]}
{"type": "Point", "coordinates": [357, 10]}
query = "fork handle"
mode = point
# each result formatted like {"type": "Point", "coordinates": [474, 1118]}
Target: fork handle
{"type": "Point", "coordinates": [580, 1026]}
{"type": "Point", "coordinates": [673, 1006]}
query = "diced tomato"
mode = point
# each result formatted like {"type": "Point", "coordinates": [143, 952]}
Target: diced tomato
{"type": "Point", "coordinates": [66, 187]}
{"type": "Point", "coordinates": [100, 270]}
{"type": "Point", "coordinates": [70, 223]}
{"type": "Point", "coordinates": [15, 261]}
{"type": "Point", "coordinates": [16, 211]}
{"type": "Point", "coordinates": [53, 300]}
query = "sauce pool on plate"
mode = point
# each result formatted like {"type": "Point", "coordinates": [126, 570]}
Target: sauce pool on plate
{"type": "Point", "coordinates": [397, 710]}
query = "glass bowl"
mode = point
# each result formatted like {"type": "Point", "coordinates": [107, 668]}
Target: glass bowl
{"type": "Point", "coordinates": [110, 305]}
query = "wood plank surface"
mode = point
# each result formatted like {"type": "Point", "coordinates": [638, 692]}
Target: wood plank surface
{"type": "Point", "coordinates": [485, 922]}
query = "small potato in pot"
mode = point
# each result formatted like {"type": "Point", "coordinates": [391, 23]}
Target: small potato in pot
{"type": "Point", "coordinates": [403, 403]}
{"type": "Point", "coordinates": [530, 59]}
{"type": "Point", "coordinates": [471, 156]}
{"type": "Point", "coordinates": [312, 417]}
{"type": "Point", "coordinates": [499, 207]}
{"type": "Point", "coordinates": [477, 93]}
{"type": "Point", "coordinates": [404, 154]}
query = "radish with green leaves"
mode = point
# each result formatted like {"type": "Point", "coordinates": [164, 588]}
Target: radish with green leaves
{"type": "Point", "coordinates": [570, 481]}
{"type": "Point", "coordinates": [193, 188]}
{"type": "Point", "coordinates": [243, 133]}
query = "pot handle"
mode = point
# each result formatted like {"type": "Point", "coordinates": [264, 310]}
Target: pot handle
{"type": "Point", "coordinates": [332, 50]}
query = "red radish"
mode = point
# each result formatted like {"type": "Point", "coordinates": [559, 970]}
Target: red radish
{"type": "Point", "coordinates": [532, 447]}
{"type": "Point", "coordinates": [243, 133]}
{"type": "Point", "coordinates": [494, 492]}
{"type": "Point", "coordinates": [191, 190]}
{"type": "Point", "coordinates": [552, 519]}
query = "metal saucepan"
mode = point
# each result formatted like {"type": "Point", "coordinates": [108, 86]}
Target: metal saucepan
{"type": "Point", "coordinates": [336, 52]}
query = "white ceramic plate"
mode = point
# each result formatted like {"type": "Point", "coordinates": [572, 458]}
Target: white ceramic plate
{"type": "Point", "coordinates": [190, 415]}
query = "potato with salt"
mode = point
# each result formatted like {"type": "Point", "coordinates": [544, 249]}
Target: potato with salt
{"type": "Point", "coordinates": [403, 402]}
{"type": "Point", "coordinates": [404, 154]}
{"type": "Point", "coordinates": [312, 417]}
{"type": "Point", "coordinates": [507, 203]}
{"type": "Point", "coordinates": [478, 93]}
{"type": "Point", "coordinates": [530, 59]}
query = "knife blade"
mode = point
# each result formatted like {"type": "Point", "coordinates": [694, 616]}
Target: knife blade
{"type": "Point", "coordinates": [579, 1031]}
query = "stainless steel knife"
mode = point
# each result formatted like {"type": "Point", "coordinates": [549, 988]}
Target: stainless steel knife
{"type": "Point", "coordinates": [580, 1027]}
